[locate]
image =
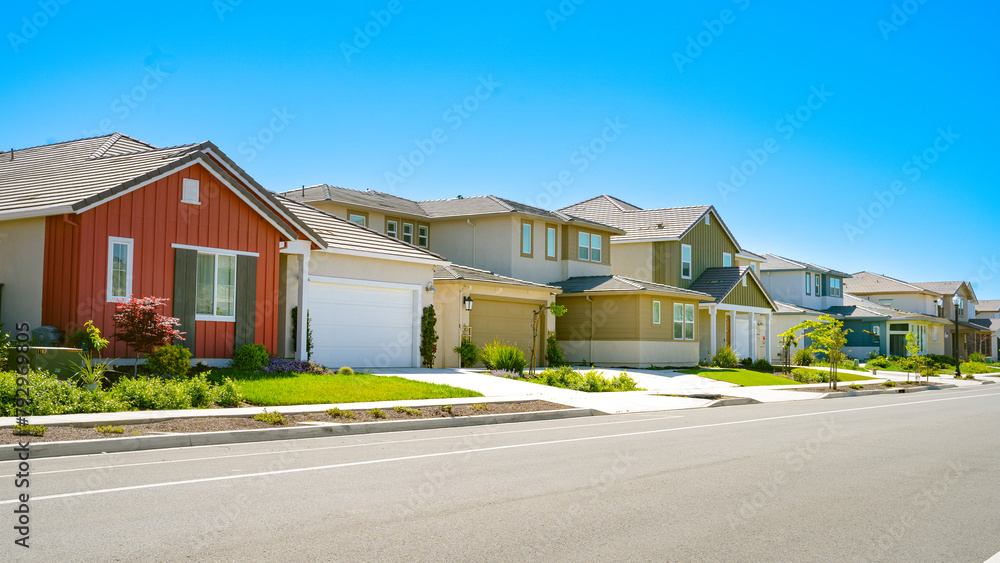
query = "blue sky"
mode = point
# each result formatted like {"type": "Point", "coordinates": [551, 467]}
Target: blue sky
{"type": "Point", "coordinates": [857, 135]}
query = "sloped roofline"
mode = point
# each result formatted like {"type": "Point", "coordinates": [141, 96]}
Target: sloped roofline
{"type": "Point", "coordinates": [747, 270]}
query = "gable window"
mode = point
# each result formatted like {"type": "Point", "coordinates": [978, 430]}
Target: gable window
{"type": "Point", "coordinates": [744, 281]}
{"type": "Point", "coordinates": [408, 233]}
{"type": "Point", "coordinates": [392, 229]}
{"type": "Point", "coordinates": [358, 219]}
{"type": "Point", "coordinates": [190, 191]}
{"type": "Point", "coordinates": [215, 289]}
{"type": "Point", "coordinates": [525, 238]}
{"type": "Point", "coordinates": [808, 283]}
{"type": "Point", "coordinates": [656, 312]}
{"type": "Point", "coordinates": [727, 259]}
{"type": "Point", "coordinates": [835, 287]}
{"type": "Point", "coordinates": [590, 247]}
{"type": "Point", "coordinates": [686, 261]}
{"type": "Point", "coordinates": [885, 302]}
{"type": "Point", "coordinates": [119, 268]}
{"type": "Point", "coordinates": [550, 242]}
{"type": "Point", "coordinates": [423, 236]}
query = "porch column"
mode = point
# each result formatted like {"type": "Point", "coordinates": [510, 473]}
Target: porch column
{"type": "Point", "coordinates": [712, 330]}
{"type": "Point", "coordinates": [753, 337]}
{"type": "Point", "coordinates": [303, 302]}
{"type": "Point", "coordinates": [767, 338]}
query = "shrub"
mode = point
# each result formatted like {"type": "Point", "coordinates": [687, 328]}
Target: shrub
{"type": "Point", "coordinates": [873, 354]}
{"type": "Point", "coordinates": [139, 325]}
{"type": "Point", "coordinates": [591, 382]}
{"type": "Point", "coordinates": [250, 357]}
{"type": "Point", "coordinates": [51, 396]}
{"type": "Point", "coordinates": [273, 417]}
{"type": "Point", "coordinates": [345, 371]}
{"type": "Point", "coordinates": [468, 352]}
{"type": "Point", "coordinates": [969, 376]}
{"type": "Point", "coordinates": [977, 357]}
{"type": "Point", "coordinates": [446, 408]}
{"type": "Point", "coordinates": [407, 410]}
{"type": "Point", "coordinates": [763, 365]}
{"type": "Point", "coordinates": [171, 360]}
{"type": "Point", "coordinates": [497, 356]}
{"type": "Point", "coordinates": [282, 365]}
{"type": "Point", "coordinates": [810, 376]}
{"type": "Point", "coordinates": [971, 367]}
{"type": "Point", "coordinates": [377, 413]}
{"type": "Point", "coordinates": [746, 363]}
{"type": "Point", "coordinates": [553, 353]}
{"type": "Point", "coordinates": [428, 337]}
{"type": "Point", "coordinates": [337, 413]}
{"type": "Point", "coordinates": [199, 390]}
{"type": "Point", "coordinates": [889, 384]}
{"type": "Point", "coordinates": [803, 357]}
{"type": "Point", "coordinates": [29, 430]}
{"type": "Point", "coordinates": [479, 407]}
{"type": "Point", "coordinates": [878, 362]}
{"type": "Point", "coordinates": [856, 386]}
{"type": "Point", "coordinates": [110, 429]}
{"type": "Point", "coordinates": [725, 358]}
{"type": "Point", "coordinates": [228, 394]}
{"type": "Point", "coordinates": [151, 393]}
{"type": "Point", "coordinates": [941, 360]}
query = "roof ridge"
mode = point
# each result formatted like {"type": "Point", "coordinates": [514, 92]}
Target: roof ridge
{"type": "Point", "coordinates": [502, 202]}
{"type": "Point", "coordinates": [188, 146]}
{"type": "Point", "coordinates": [107, 145]}
{"type": "Point", "coordinates": [59, 143]}
{"type": "Point", "coordinates": [894, 279]}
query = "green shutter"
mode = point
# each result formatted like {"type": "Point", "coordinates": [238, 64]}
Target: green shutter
{"type": "Point", "coordinates": [185, 269]}
{"type": "Point", "coordinates": [246, 300]}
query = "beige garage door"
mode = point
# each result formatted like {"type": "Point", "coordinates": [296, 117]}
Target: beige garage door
{"type": "Point", "coordinates": [506, 321]}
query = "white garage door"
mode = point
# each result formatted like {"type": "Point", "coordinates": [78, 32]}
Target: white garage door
{"type": "Point", "coordinates": [361, 326]}
{"type": "Point", "coordinates": [741, 337]}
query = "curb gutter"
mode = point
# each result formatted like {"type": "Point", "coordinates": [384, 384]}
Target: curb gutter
{"type": "Point", "coordinates": [840, 394]}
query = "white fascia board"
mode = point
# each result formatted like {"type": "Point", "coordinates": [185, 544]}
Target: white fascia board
{"type": "Point", "coordinates": [625, 239]}
{"type": "Point", "coordinates": [365, 283]}
{"type": "Point", "coordinates": [37, 212]}
{"type": "Point", "coordinates": [381, 256]}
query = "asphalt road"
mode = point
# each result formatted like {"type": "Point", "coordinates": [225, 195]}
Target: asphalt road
{"type": "Point", "coordinates": [911, 477]}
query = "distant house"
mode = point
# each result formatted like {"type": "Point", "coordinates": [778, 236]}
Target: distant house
{"type": "Point", "coordinates": [988, 317]}
{"type": "Point", "coordinates": [691, 248]}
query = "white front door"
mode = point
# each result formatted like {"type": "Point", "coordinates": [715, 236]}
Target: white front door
{"type": "Point", "coordinates": [741, 337]}
{"type": "Point", "coordinates": [361, 326]}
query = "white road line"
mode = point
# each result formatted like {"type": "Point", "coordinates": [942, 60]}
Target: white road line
{"type": "Point", "coordinates": [994, 559]}
{"type": "Point", "coordinates": [489, 449]}
{"type": "Point", "coordinates": [282, 452]}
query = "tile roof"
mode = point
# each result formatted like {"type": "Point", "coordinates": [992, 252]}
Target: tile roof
{"type": "Point", "coordinates": [752, 255]}
{"type": "Point", "coordinates": [993, 325]}
{"type": "Point", "coordinates": [858, 307]}
{"type": "Point", "coordinates": [947, 287]}
{"type": "Point", "coordinates": [597, 284]}
{"type": "Point", "coordinates": [337, 233]}
{"type": "Point", "coordinates": [868, 282]}
{"type": "Point", "coordinates": [789, 308]}
{"type": "Point", "coordinates": [368, 198]}
{"type": "Point", "coordinates": [775, 262]}
{"type": "Point", "coordinates": [988, 305]}
{"type": "Point", "coordinates": [638, 223]}
{"type": "Point", "coordinates": [457, 272]}
{"type": "Point", "coordinates": [62, 176]}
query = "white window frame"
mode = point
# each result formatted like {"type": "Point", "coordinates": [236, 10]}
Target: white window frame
{"type": "Point", "coordinates": [551, 241]}
{"type": "Point", "coordinates": [708, 218]}
{"type": "Point", "coordinates": [215, 287]}
{"type": "Point", "coordinates": [818, 285]}
{"type": "Point", "coordinates": [934, 334]}
{"type": "Point", "coordinates": [680, 322]}
{"type": "Point", "coordinates": [423, 236]}
{"type": "Point", "coordinates": [584, 247]}
{"type": "Point", "coordinates": [688, 261]}
{"type": "Point", "coordinates": [405, 234]}
{"type": "Point", "coordinates": [527, 244]}
{"type": "Point", "coordinates": [394, 233]}
{"type": "Point", "coordinates": [129, 268]}
{"type": "Point", "coordinates": [835, 289]}
{"type": "Point", "coordinates": [187, 186]}
{"type": "Point", "coordinates": [599, 247]}
{"type": "Point", "coordinates": [656, 312]}
{"type": "Point", "coordinates": [688, 307]}
{"type": "Point", "coordinates": [727, 259]}
{"type": "Point", "coordinates": [809, 283]}
{"type": "Point", "coordinates": [352, 216]}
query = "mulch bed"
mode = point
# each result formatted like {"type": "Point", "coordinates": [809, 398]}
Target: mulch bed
{"type": "Point", "coordinates": [846, 386]}
{"type": "Point", "coordinates": [215, 424]}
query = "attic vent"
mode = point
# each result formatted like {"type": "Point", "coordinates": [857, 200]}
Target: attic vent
{"type": "Point", "coordinates": [659, 225]}
{"type": "Point", "coordinates": [190, 191]}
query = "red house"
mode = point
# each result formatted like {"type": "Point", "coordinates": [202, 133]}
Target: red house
{"type": "Point", "coordinates": [85, 224]}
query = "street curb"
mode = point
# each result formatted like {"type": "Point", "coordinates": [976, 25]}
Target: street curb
{"type": "Point", "coordinates": [840, 394]}
{"type": "Point", "coordinates": [733, 402]}
{"type": "Point", "coordinates": [138, 443]}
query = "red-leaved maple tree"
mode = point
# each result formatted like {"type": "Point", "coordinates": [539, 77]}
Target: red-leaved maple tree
{"type": "Point", "coordinates": [138, 324]}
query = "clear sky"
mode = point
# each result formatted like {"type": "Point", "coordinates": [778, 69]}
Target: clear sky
{"type": "Point", "coordinates": [859, 135]}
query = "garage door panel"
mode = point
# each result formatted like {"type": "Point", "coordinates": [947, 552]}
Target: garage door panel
{"type": "Point", "coordinates": [361, 326]}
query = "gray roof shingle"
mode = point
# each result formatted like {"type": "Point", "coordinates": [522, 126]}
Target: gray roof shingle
{"type": "Point", "coordinates": [988, 306]}
{"type": "Point", "coordinates": [457, 272]}
{"type": "Point", "coordinates": [863, 283]}
{"type": "Point", "coordinates": [775, 262]}
{"type": "Point", "coordinates": [597, 284]}
{"type": "Point", "coordinates": [368, 198]}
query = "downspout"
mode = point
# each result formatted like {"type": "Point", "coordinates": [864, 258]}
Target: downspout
{"type": "Point", "coordinates": [473, 225]}
{"type": "Point", "coordinates": [591, 328]}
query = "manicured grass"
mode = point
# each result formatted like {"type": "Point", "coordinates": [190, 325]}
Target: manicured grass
{"type": "Point", "coordinates": [841, 376]}
{"type": "Point", "coordinates": [744, 377]}
{"type": "Point", "coordinates": [275, 389]}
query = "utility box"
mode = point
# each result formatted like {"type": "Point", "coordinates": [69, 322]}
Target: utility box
{"type": "Point", "coordinates": [46, 335]}
{"type": "Point", "coordinates": [60, 362]}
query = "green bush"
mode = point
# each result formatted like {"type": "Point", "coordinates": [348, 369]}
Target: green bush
{"type": "Point", "coordinates": [977, 357]}
{"type": "Point", "coordinates": [110, 429]}
{"type": "Point", "coordinates": [337, 413]}
{"type": "Point", "coordinates": [51, 396]}
{"type": "Point", "coordinates": [746, 363]}
{"type": "Point", "coordinates": [725, 358]}
{"type": "Point", "coordinates": [762, 365]}
{"type": "Point", "coordinates": [856, 386]}
{"type": "Point", "coordinates": [345, 371]}
{"type": "Point", "coordinates": [29, 430]}
{"type": "Point", "coordinates": [467, 352]}
{"type": "Point", "coordinates": [500, 357]}
{"type": "Point", "coordinates": [250, 357]}
{"type": "Point", "coordinates": [591, 382]}
{"type": "Point", "coordinates": [151, 393]}
{"type": "Point", "coordinates": [803, 357]}
{"type": "Point", "coordinates": [408, 410]}
{"type": "Point", "coordinates": [199, 391]}
{"type": "Point", "coordinates": [273, 417]}
{"type": "Point", "coordinates": [170, 360]}
{"type": "Point", "coordinates": [889, 384]}
{"type": "Point", "coordinates": [377, 413]}
{"type": "Point", "coordinates": [941, 360]}
{"type": "Point", "coordinates": [810, 376]}
{"type": "Point", "coordinates": [553, 353]}
{"type": "Point", "coordinates": [878, 362]}
{"type": "Point", "coordinates": [976, 367]}
{"type": "Point", "coordinates": [228, 394]}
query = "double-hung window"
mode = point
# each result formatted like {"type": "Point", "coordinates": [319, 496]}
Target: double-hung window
{"type": "Point", "coordinates": [392, 229]}
{"type": "Point", "coordinates": [835, 287]}
{"type": "Point", "coordinates": [408, 233]}
{"type": "Point", "coordinates": [423, 236]}
{"type": "Point", "coordinates": [727, 259]}
{"type": "Point", "coordinates": [683, 321]}
{"type": "Point", "coordinates": [215, 289]}
{"type": "Point", "coordinates": [358, 219]}
{"type": "Point", "coordinates": [119, 268]}
{"type": "Point", "coordinates": [590, 247]}
{"type": "Point", "coordinates": [686, 261]}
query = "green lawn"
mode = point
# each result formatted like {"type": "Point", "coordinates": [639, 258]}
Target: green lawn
{"type": "Point", "coordinates": [841, 376]}
{"type": "Point", "coordinates": [744, 377]}
{"type": "Point", "coordinates": [275, 389]}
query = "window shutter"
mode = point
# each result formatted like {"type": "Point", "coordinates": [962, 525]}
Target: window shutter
{"type": "Point", "coordinates": [246, 300]}
{"type": "Point", "coordinates": [185, 269]}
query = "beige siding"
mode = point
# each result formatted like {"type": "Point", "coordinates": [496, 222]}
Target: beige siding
{"type": "Point", "coordinates": [607, 318]}
{"type": "Point", "coordinates": [22, 253]}
{"type": "Point", "coordinates": [750, 295]}
{"type": "Point", "coordinates": [708, 242]}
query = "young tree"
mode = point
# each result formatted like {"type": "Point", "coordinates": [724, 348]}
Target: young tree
{"type": "Point", "coordinates": [787, 340]}
{"type": "Point", "coordinates": [557, 311]}
{"type": "Point", "coordinates": [828, 337]}
{"type": "Point", "coordinates": [138, 324]}
{"type": "Point", "coordinates": [913, 349]}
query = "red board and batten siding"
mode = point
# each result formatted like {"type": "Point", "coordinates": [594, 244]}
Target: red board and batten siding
{"type": "Point", "coordinates": [76, 257]}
